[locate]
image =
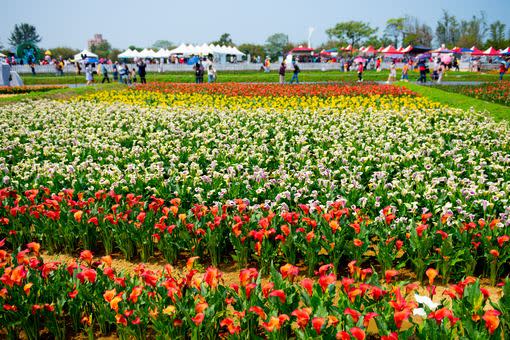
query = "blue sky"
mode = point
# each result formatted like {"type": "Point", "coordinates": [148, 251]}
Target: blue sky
{"type": "Point", "coordinates": [72, 23]}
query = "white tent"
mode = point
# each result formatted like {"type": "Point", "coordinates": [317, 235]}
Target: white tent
{"type": "Point", "coordinates": [147, 53]}
{"type": "Point", "coordinates": [85, 52]}
{"type": "Point", "coordinates": [237, 52]}
{"type": "Point", "coordinates": [181, 49]}
{"type": "Point", "coordinates": [162, 53]}
{"type": "Point", "coordinates": [126, 54]}
{"type": "Point", "coordinates": [205, 49]}
{"type": "Point", "coordinates": [2, 55]}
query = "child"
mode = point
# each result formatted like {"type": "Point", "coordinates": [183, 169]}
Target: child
{"type": "Point", "coordinates": [502, 70]}
{"type": "Point", "coordinates": [405, 72]}
{"type": "Point", "coordinates": [133, 75]}
{"type": "Point", "coordinates": [360, 72]}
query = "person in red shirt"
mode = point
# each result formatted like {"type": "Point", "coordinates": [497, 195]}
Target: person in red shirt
{"type": "Point", "coordinates": [360, 72]}
{"type": "Point", "coordinates": [502, 71]}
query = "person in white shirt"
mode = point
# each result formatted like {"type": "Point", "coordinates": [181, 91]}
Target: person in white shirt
{"type": "Point", "coordinates": [211, 73]}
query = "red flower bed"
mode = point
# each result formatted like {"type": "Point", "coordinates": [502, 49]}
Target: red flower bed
{"type": "Point", "coordinates": [27, 89]}
{"type": "Point", "coordinates": [497, 92]}
{"type": "Point", "coordinates": [277, 90]}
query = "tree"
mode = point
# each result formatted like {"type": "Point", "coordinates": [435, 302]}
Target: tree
{"type": "Point", "coordinates": [225, 39]}
{"type": "Point", "coordinates": [497, 35]}
{"type": "Point", "coordinates": [64, 52]}
{"type": "Point", "coordinates": [133, 47]}
{"type": "Point", "coordinates": [395, 29]}
{"type": "Point", "coordinates": [102, 49]}
{"type": "Point", "coordinates": [351, 31]}
{"type": "Point", "coordinates": [376, 41]}
{"type": "Point", "coordinates": [473, 31]}
{"type": "Point", "coordinates": [330, 44]}
{"type": "Point", "coordinates": [114, 54]}
{"type": "Point", "coordinates": [253, 50]}
{"type": "Point", "coordinates": [276, 44]}
{"type": "Point", "coordinates": [447, 30]}
{"type": "Point", "coordinates": [416, 33]}
{"type": "Point", "coordinates": [24, 33]}
{"type": "Point", "coordinates": [163, 44]}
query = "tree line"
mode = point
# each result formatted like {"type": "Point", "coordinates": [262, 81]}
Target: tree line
{"type": "Point", "coordinates": [401, 31]}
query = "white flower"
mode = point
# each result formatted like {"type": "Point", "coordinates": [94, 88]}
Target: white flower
{"type": "Point", "coordinates": [420, 312]}
{"type": "Point", "coordinates": [425, 300]}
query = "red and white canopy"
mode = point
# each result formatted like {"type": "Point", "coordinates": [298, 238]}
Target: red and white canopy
{"type": "Point", "coordinates": [391, 50]}
{"type": "Point", "coordinates": [491, 51]}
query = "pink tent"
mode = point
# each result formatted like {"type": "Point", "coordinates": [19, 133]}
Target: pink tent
{"type": "Point", "coordinates": [369, 50]}
{"type": "Point", "coordinates": [302, 49]}
{"type": "Point", "coordinates": [491, 51]}
{"type": "Point", "coordinates": [379, 50]}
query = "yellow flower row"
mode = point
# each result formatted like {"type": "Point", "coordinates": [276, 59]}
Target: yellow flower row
{"type": "Point", "coordinates": [148, 98]}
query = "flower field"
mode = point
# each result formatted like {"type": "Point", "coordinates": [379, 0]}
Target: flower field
{"type": "Point", "coordinates": [339, 187]}
{"type": "Point", "coordinates": [231, 96]}
{"type": "Point", "coordinates": [496, 92]}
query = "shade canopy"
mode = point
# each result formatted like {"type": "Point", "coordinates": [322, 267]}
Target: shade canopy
{"type": "Point", "coordinates": [391, 50]}
{"type": "Point", "coordinates": [491, 51]}
{"type": "Point", "coordinates": [205, 49]}
{"type": "Point", "coordinates": [86, 53]}
{"type": "Point", "coordinates": [369, 50]}
{"type": "Point", "coordinates": [408, 49]}
{"type": "Point", "coordinates": [301, 49]}
{"type": "Point", "coordinates": [126, 54]}
{"type": "Point", "coordinates": [2, 55]}
{"type": "Point", "coordinates": [442, 50]}
{"type": "Point", "coordinates": [476, 51]}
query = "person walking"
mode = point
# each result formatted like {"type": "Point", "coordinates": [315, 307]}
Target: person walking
{"type": "Point", "coordinates": [104, 72]}
{"type": "Point", "coordinates": [502, 70]}
{"type": "Point", "coordinates": [282, 73]}
{"type": "Point", "coordinates": [440, 72]}
{"type": "Point", "coordinates": [423, 72]}
{"type": "Point", "coordinates": [378, 65]}
{"type": "Point", "coordinates": [360, 72]}
{"type": "Point", "coordinates": [295, 73]}
{"type": "Point", "coordinates": [89, 73]}
{"type": "Point", "coordinates": [141, 71]}
{"type": "Point", "coordinates": [115, 71]}
{"type": "Point", "coordinates": [456, 64]}
{"type": "Point", "coordinates": [32, 67]}
{"type": "Point", "coordinates": [124, 74]}
{"type": "Point", "coordinates": [393, 72]}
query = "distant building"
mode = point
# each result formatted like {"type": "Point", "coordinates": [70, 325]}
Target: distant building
{"type": "Point", "coordinates": [98, 39]}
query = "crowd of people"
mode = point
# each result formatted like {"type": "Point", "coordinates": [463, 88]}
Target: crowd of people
{"type": "Point", "coordinates": [119, 71]}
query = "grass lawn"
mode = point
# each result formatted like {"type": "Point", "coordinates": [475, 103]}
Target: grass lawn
{"type": "Point", "coordinates": [254, 76]}
{"type": "Point", "coordinates": [499, 112]}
